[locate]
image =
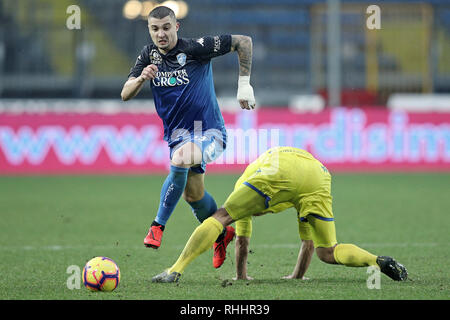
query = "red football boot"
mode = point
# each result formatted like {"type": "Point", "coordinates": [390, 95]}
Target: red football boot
{"type": "Point", "coordinates": [220, 248]}
{"type": "Point", "coordinates": [153, 238]}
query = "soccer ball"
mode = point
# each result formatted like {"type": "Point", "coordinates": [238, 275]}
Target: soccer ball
{"type": "Point", "coordinates": [101, 274]}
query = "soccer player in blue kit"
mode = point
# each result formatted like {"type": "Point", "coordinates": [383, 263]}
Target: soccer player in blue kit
{"type": "Point", "coordinates": [179, 71]}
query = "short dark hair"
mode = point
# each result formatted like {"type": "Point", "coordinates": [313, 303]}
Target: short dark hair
{"type": "Point", "coordinates": [161, 12]}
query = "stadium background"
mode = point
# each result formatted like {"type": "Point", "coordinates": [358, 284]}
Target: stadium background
{"type": "Point", "coordinates": [397, 77]}
{"type": "Point", "coordinates": [361, 100]}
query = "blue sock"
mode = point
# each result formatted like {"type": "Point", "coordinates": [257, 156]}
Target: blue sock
{"type": "Point", "coordinates": [204, 208]}
{"type": "Point", "coordinates": [171, 192]}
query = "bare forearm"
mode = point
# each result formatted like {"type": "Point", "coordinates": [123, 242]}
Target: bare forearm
{"type": "Point", "coordinates": [241, 253]}
{"type": "Point", "coordinates": [243, 46]}
{"type": "Point", "coordinates": [131, 88]}
{"type": "Point", "coordinates": [304, 259]}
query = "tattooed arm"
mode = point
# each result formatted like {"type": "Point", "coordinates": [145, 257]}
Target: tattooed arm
{"type": "Point", "coordinates": [243, 46]}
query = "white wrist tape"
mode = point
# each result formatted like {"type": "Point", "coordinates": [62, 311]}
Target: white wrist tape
{"type": "Point", "coordinates": [245, 90]}
{"type": "Point", "coordinates": [244, 80]}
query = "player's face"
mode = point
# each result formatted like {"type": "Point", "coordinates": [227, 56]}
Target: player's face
{"type": "Point", "coordinates": [163, 32]}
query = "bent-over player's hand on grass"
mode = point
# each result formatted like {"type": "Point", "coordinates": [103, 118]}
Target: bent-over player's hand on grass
{"type": "Point", "coordinates": [291, 276]}
{"type": "Point", "coordinates": [243, 278]}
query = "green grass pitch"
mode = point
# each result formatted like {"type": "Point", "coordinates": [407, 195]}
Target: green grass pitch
{"type": "Point", "coordinates": [51, 223]}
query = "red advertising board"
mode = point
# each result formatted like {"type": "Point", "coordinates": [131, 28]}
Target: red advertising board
{"type": "Point", "coordinates": [344, 139]}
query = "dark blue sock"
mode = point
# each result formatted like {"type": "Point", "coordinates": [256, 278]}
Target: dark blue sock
{"type": "Point", "coordinates": [171, 192]}
{"type": "Point", "coordinates": [205, 208]}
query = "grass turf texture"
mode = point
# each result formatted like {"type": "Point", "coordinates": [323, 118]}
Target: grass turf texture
{"type": "Point", "coordinates": [51, 223]}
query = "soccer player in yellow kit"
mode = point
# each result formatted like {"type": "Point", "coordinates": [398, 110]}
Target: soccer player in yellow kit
{"type": "Point", "coordinates": [281, 178]}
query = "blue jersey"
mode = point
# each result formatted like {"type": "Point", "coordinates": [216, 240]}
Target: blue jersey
{"type": "Point", "coordinates": [183, 89]}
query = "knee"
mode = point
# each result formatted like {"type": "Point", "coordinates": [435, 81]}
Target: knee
{"type": "Point", "coordinates": [187, 156]}
{"type": "Point", "coordinates": [180, 161]}
{"type": "Point", "coordinates": [326, 254]}
{"type": "Point", "coordinates": [223, 217]}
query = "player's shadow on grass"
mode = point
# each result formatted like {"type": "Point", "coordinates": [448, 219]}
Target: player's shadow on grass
{"type": "Point", "coordinates": [283, 282]}
{"type": "Point", "coordinates": [224, 283]}
{"type": "Point", "coordinates": [295, 282]}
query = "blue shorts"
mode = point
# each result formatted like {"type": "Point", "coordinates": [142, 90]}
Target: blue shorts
{"type": "Point", "coordinates": [212, 145]}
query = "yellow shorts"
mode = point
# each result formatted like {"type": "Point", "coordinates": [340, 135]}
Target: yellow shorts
{"type": "Point", "coordinates": [311, 226]}
{"type": "Point", "coordinates": [279, 179]}
{"type": "Point", "coordinates": [321, 232]}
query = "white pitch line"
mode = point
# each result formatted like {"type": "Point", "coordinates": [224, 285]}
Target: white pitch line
{"type": "Point", "coordinates": [252, 246]}
{"type": "Point", "coordinates": [394, 245]}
